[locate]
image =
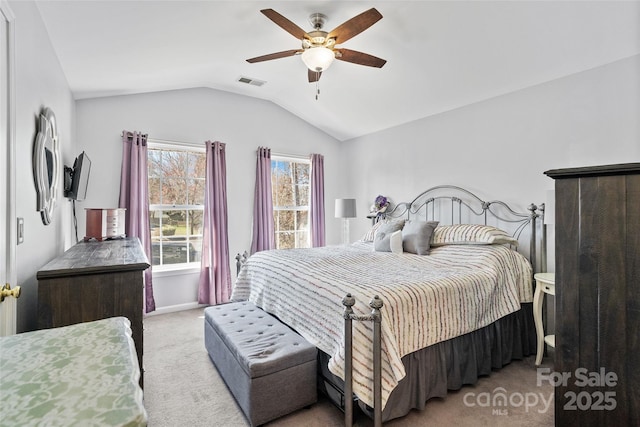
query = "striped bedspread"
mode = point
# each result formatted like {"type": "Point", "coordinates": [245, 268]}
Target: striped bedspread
{"type": "Point", "coordinates": [427, 299]}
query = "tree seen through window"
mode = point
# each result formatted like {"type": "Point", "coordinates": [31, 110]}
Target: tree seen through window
{"type": "Point", "coordinates": [176, 203]}
{"type": "Point", "coordinates": [290, 192]}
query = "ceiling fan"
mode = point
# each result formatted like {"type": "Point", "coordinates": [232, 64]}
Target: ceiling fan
{"type": "Point", "coordinates": [319, 47]}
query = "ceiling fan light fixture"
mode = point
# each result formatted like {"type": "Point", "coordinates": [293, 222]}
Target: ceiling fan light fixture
{"type": "Point", "coordinates": [318, 58]}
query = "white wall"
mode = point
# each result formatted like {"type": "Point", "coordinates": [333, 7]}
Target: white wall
{"type": "Point", "coordinates": [197, 115]}
{"type": "Point", "coordinates": [500, 148]}
{"type": "Point", "coordinates": [40, 83]}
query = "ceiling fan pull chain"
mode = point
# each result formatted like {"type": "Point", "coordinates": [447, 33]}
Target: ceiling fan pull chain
{"type": "Point", "coordinates": [317, 84]}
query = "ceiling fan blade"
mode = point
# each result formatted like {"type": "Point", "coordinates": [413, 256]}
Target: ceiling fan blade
{"type": "Point", "coordinates": [355, 25]}
{"type": "Point", "coordinates": [360, 58]}
{"type": "Point", "coordinates": [276, 55]}
{"type": "Point", "coordinates": [314, 76]}
{"type": "Point", "coordinates": [285, 24]}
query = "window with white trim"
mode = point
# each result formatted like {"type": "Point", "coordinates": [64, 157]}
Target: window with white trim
{"type": "Point", "coordinates": [176, 204]}
{"type": "Point", "coordinates": [290, 193]}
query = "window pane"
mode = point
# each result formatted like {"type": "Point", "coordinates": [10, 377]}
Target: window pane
{"type": "Point", "coordinates": [284, 191]}
{"type": "Point", "coordinates": [280, 167]}
{"type": "Point", "coordinates": [286, 240]}
{"type": "Point", "coordinates": [154, 191]}
{"type": "Point", "coordinates": [174, 251]}
{"type": "Point", "coordinates": [154, 163]}
{"type": "Point", "coordinates": [281, 183]}
{"type": "Point", "coordinates": [276, 168]}
{"type": "Point", "coordinates": [286, 221]}
{"type": "Point", "coordinates": [301, 173]}
{"type": "Point", "coordinates": [174, 191]}
{"type": "Point", "coordinates": [155, 251]}
{"type": "Point", "coordinates": [303, 239]}
{"type": "Point", "coordinates": [154, 223]}
{"type": "Point", "coordinates": [169, 236]}
{"type": "Point", "coordinates": [197, 164]}
{"type": "Point", "coordinates": [195, 249]}
{"type": "Point", "coordinates": [195, 223]}
{"type": "Point", "coordinates": [302, 195]}
{"type": "Point", "coordinates": [174, 164]}
{"type": "Point", "coordinates": [195, 192]}
{"type": "Point", "coordinates": [174, 223]}
{"type": "Point", "coordinates": [168, 231]}
{"type": "Point", "coordinates": [302, 220]}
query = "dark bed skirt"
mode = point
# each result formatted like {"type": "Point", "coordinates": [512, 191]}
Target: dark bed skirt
{"type": "Point", "coordinates": [448, 365]}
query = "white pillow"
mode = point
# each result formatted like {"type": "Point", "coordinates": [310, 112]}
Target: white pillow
{"type": "Point", "coordinates": [396, 242]}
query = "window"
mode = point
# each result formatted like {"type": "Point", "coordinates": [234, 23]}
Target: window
{"type": "Point", "coordinates": [290, 192]}
{"type": "Point", "coordinates": [176, 204]}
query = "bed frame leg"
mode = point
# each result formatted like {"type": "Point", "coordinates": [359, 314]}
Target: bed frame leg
{"type": "Point", "coordinates": [348, 301]}
{"type": "Point", "coordinates": [376, 317]}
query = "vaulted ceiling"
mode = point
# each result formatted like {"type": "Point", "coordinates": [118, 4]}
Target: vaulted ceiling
{"type": "Point", "coordinates": [441, 55]}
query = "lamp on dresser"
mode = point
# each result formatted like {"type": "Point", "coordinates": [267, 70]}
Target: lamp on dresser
{"type": "Point", "coordinates": [345, 209]}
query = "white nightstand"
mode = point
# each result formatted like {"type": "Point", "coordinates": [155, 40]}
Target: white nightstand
{"type": "Point", "coordinates": [545, 284]}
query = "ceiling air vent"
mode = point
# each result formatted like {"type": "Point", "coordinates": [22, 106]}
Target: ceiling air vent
{"type": "Point", "coordinates": [251, 81]}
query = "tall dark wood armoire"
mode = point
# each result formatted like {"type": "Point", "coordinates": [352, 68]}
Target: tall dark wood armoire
{"type": "Point", "coordinates": [597, 295]}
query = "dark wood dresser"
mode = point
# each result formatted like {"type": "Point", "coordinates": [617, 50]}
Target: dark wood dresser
{"type": "Point", "coordinates": [597, 295]}
{"type": "Point", "coordinates": [93, 281]}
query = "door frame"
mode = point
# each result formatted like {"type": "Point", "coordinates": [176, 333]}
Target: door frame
{"type": "Point", "coordinates": [8, 233]}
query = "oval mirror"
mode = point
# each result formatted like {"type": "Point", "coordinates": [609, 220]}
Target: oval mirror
{"type": "Point", "coordinates": [46, 164]}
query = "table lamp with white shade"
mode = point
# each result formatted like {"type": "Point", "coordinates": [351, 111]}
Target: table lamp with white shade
{"type": "Point", "coordinates": [345, 209]}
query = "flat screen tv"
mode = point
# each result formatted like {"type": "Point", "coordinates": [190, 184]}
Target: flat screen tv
{"type": "Point", "coordinates": [76, 189]}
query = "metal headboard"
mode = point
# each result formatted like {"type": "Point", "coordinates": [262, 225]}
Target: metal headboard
{"type": "Point", "coordinates": [458, 205]}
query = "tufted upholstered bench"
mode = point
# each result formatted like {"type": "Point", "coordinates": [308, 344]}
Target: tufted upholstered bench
{"type": "Point", "coordinates": [268, 367]}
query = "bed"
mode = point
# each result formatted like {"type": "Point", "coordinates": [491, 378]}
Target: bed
{"type": "Point", "coordinates": [449, 316]}
{"type": "Point", "coordinates": [83, 374]}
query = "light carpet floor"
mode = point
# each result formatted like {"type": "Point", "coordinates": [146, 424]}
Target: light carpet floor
{"type": "Point", "coordinates": [183, 388]}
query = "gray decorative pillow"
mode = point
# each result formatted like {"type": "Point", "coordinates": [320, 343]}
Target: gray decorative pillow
{"type": "Point", "coordinates": [416, 236]}
{"type": "Point", "coordinates": [382, 239]}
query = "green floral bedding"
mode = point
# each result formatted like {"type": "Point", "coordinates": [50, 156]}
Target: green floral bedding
{"type": "Point", "coordinates": [79, 375]}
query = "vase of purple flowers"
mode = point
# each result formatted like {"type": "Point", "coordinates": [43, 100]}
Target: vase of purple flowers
{"type": "Point", "coordinates": [379, 205]}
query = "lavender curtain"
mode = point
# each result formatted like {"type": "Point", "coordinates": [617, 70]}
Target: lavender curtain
{"type": "Point", "coordinates": [263, 226]}
{"type": "Point", "coordinates": [215, 276]}
{"type": "Point", "coordinates": [316, 205]}
{"type": "Point", "coordinates": [134, 197]}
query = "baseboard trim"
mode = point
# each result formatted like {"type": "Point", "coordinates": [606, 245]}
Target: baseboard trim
{"type": "Point", "coordinates": [174, 308]}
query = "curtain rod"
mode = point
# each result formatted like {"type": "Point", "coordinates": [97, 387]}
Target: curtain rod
{"type": "Point", "coordinates": [290, 156]}
{"type": "Point", "coordinates": [168, 141]}
{"type": "Point", "coordinates": [129, 134]}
